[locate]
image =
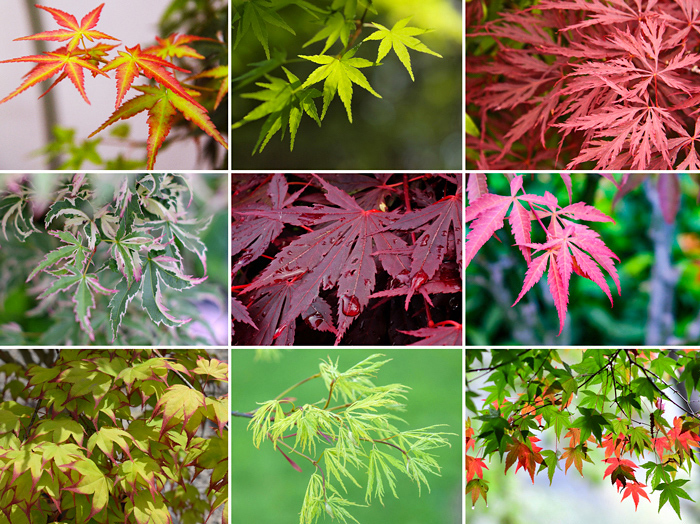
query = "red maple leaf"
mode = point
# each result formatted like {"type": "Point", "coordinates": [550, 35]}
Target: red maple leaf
{"type": "Point", "coordinates": [682, 436]}
{"type": "Point", "coordinates": [527, 455]}
{"type": "Point", "coordinates": [474, 466]}
{"type": "Point", "coordinates": [447, 333]}
{"type": "Point", "coordinates": [341, 255]}
{"type": "Point", "coordinates": [635, 489]}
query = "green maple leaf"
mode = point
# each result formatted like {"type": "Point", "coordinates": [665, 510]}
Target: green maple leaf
{"type": "Point", "coordinates": [670, 492]}
{"type": "Point", "coordinates": [284, 102]}
{"type": "Point", "coordinates": [339, 74]}
{"type": "Point", "coordinates": [400, 38]}
{"type": "Point", "coordinates": [334, 27]}
{"type": "Point", "coordinates": [74, 251]}
{"type": "Point", "coordinates": [257, 14]}
{"type": "Point", "coordinates": [86, 284]}
{"type": "Point", "coordinates": [161, 270]}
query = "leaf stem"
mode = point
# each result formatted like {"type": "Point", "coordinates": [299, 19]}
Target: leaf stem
{"type": "Point", "coordinates": [290, 388]}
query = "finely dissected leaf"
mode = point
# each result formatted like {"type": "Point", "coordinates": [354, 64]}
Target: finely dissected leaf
{"type": "Point", "coordinates": [162, 105]}
{"type": "Point", "coordinates": [339, 74]}
{"type": "Point", "coordinates": [133, 62]}
{"type": "Point", "coordinates": [440, 222]}
{"type": "Point", "coordinates": [438, 335]}
{"type": "Point", "coordinates": [159, 271]}
{"type": "Point", "coordinates": [340, 254]}
{"type": "Point", "coordinates": [258, 225]}
{"type": "Point", "coordinates": [83, 295]}
{"type": "Point", "coordinates": [399, 38]}
{"type": "Point", "coordinates": [51, 63]}
{"type": "Point", "coordinates": [73, 32]}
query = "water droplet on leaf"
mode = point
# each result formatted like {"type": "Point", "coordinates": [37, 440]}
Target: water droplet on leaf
{"type": "Point", "coordinates": [350, 305]}
{"type": "Point", "coordinates": [419, 279]}
{"type": "Point", "coordinates": [424, 241]}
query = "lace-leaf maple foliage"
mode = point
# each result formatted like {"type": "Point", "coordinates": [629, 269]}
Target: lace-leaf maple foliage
{"type": "Point", "coordinates": [85, 51]}
{"type": "Point", "coordinates": [349, 437]}
{"type": "Point", "coordinates": [328, 260]}
{"type": "Point", "coordinates": [106, 252]}
{"type": "Point", "coordinates": [569, 247]}
{"type": "Point", "coordinates": [108, 436]}
{"type": "Point", "coordinates": [287, 97]}
{"type": "Point", "coordinates": [584, 82]}
{"type": "Point", "coordinates": [633, 405]}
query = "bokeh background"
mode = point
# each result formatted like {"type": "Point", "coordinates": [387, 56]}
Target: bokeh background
{"type": "Point", "coordinates": [660, 275]}
{"type": "Point", "coordinates": [267, 489]}
{"type": "Point", "coordinates": [415, 125]}
{"type": "Point", "coordinates": [23, 124]}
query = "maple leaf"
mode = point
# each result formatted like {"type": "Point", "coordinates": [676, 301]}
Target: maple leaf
{"type": "Point", "coordinates": [86, 284]}
{"type": "Point", "coordinates": [256, 15]}
{"type": "Point", "coordinates": [51, 63]}
{"type": "Point", "coordinates": [565, 254]}
{"type": "Point", "coordinates": [132, 62]}
{"type": "Point", "coordinates": [477, 488]}
{"type": "Point", "coordinates": [257, 226]}
{"type": "Point", "coordinates": [575, 455]}
{"type": "Point", "coordinates": [635, 489]}
{"type": "Point", "coordinates": [73, 32]}
{"type": "Point", "coordinates": [175, 46]}
{"type": "Point", "coordinates": [682, 436]}
{"type": "Point", "coordinates": [339, 74]}
{"type": "Point", "coordinates": [474, 466]}
{"type": "Point", "coordinates": [335, 27]}
{"type": "Point", "coordinates": [488, 213]}
{"type": "Point", "coordinates": [436, 221]}
{"type": "Point", "coordinates": [282, 102]}
{"type": "Point", "coordinates": [528, 455]}
{"type": "Point", "coordinates": [399, 38]}
{"type": "Point", "coordinates": [341, 255]}
{"type": "Point", "coordinates": [162, 105]}
{"type": "Point", "coordinates": [219, 73]}
{"type": "Point", "coordinates": [448, 333]}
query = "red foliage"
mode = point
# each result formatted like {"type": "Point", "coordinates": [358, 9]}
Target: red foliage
{"type": "Point", "coordinates": [610, 84]}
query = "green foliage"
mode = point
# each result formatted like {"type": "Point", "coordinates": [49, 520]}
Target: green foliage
{"type": "Point", "coordinates": [350, 438]}
{"type": "Point", "coordinates": [612, 399]}
{"type": "Point", "coordinates": [100, 251]}
{"type": "Point", "coordinates": [342, 25]}
{"type": "Point", "coordinates": [107, 436]}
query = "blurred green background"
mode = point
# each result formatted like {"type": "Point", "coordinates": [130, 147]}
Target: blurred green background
{"type": "Point", "coordinates": [415, 125]}
{"type": "Point", "coordinates": [495, 277]}
{"type": "Point", "coordinates": [265, 489]}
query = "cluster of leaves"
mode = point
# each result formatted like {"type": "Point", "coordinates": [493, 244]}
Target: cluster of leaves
{"type": "Point", "coordinates": [569, 247]}
{"type": "Point", "coordinates": [607, 82]}
{"type": "Point", "coordinates": [107, 436]}
{"type": "Point", "coordinates": [613, 399]}
{"type": "Point", "coordinates": [328, 256]}
{"type": "Point", "coordinates": [134, 242]}
{"type": "Point", "coordinates": [285, 100]}
{"type": "Point", "coordinates": [349, 431]}
{"type": "Point", "coordinates": [163, 101]}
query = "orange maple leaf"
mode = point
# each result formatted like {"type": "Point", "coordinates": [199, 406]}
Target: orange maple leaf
{"type": "Point", "coordinates": [474, 466]}
{"type": "Point", "coordinates": [49, 64]}
{"type": "Point", "coordinates": [527, 458]}
{"type": "Point", "coordinates": [130, 63]}
{"type": "Point", "coordinates": [162, 105]}
{"type": "Point", "coordinates": [73, 32]}
{"type": "Point", "coordinates": [176, 46]}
